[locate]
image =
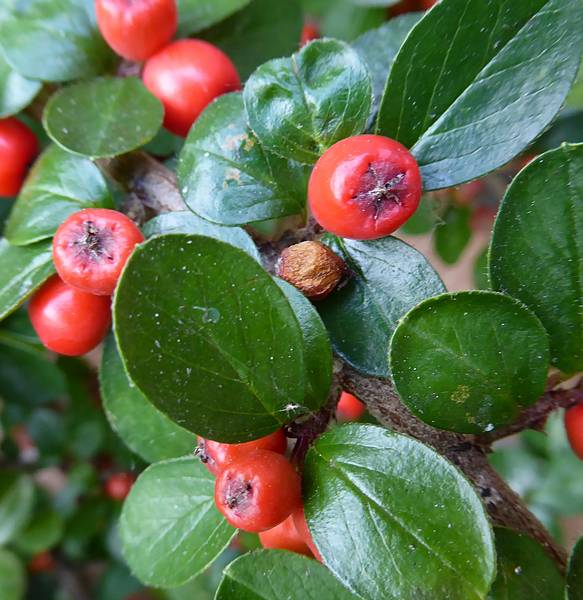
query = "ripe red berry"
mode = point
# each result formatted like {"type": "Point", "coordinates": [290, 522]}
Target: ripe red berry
{"type": "Point", "coordinates": [285, 536]}
{"type": "Point", "coordinates": [427, 4]}
{"type": "Point", "coordinates": [137, 30]}
{"type": "Point", "coordinates": [364, 187]}
{"type": "Point", "coordinates": [310, 32]}
{"type": "Point", "coordinates": [258, 492]}
{"type": "Point", "coordinates": [574, 427]}
{"type": "Point", "coordinates": [216, 456]}
{"type": "Point", "coordinates": [91, 248]}
{"type": "Point", "coordinates": [349, 408]}
{"type": "Point", "coordinates": [41, 563]}
{"type": "Point", "coordinates": [118, 486]}
{"type": "Point", "coordinates": [18, 147]}
{"type": "Point", "coordinates": [69, 321]}
{"type": "Point", "coordinates": [405, 6]}
{"type": "Point", "coordinates": [302, 528]}
{"type": "Point", "coordinates": [186, 76]}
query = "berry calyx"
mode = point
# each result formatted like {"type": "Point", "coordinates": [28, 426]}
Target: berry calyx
{"type": "Point", "coordinates": [301, 524]}
{"type": "Point", "coordinates": [216, 456]}
{"type": "Point", "coordinates": [285, 536]}
{"type": "Point", "coordinates": [118, 486]}
{"type": "Point", "coordinates": [18, 147]}
{"type": "Point", "coordinates": [574, 427]}
{"type": "Point", "coordinates": [349, 408]}
{"type": "Point", "coordinates": [136, 30]}
{"type": "Point", "coordinates": [186, 77]}
{"type": "Point", "coordinates": [258, 492]}
{"type": "Point", "coordinates": [67, 320]}
{"type": "Point", "coordinates": [364, 187]}
{"type": "Point", "coordinates": [91, 248]}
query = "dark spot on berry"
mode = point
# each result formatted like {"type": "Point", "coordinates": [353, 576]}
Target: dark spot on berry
{"type": "Point", "coordinates": [93, 243]}
{"type": "Point", "coordinates": [238, 492]}
{"type": "Point", "coordinates": [381, 186]}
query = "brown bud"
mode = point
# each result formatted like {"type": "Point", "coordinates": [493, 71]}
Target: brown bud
{"type": "Point", "coordinates": [312, 268]}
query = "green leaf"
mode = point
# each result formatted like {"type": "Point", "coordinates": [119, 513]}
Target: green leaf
{"type": "Point", "coordinates": [12, 576]}
{"type": "Point", "coordinates": [388, 278]}
{"type": "Point", "coordinates": [299, 106]}
{"type": "Point", "coordinates": [394, 520]}
{"type": "Point", "coordinates": [171, 529]}
{"type": "Point", "coordinates": [53, 40]}
{"type": "Point", "coordinates": [481, 277]}
{"type": "Point", "coordinates": [16, 501]}
{"type": "Point", "coordinates": [489, 76]}
{"type": "Point", "coordinates": [567, 127]}
{"type": "Point", "coordinates": [346, 21]}
{"type": "Point", "coordinates": [525, 571]}
{"type": "Point", "coordinates": [119, 115]}
{"type": "Point", "coordinates": [142, 427]}
{"type": "Point", "coordinates": [469, 361]}
{"type": "Point", "coordinates": [226, 176]}
{"type": "Point", "coordinates": [209, 338]}
{"type": "Point", "coordinates": [575, 573]}
{"type": "Point", "coordinates": [195, 15]}
{"type": "Point", "coordinates": [16, 91]}
{"type": "Point", "coordinates": [261, 31]}
{"type": "Point", "coordinates": [453, 234]}
{"type": "Point", "coordinates": [424, 219]}
{"type": "Point", "coordinates": [275, 574]}
{"type": "Point", "coordinates": [536, 254]}
{"type": "Point", "coordinates": [23, 271]}
{"type": "Point", "coordinates": [58, 185]}
{"type": "Point", "coordinates": [42, 532]}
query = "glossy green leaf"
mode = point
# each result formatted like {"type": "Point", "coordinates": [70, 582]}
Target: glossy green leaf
{"type": "Point", "coordinates": [43, 532]}
{"type": "Point", "coordinates": [481, 277]}
{"type": "Point", "coordinates": [575, 573]}
{"type": "Point", "coordinates": [53, 40]}
{"type": "Point", "coordinates": [275, 574]}
{"type": "Point", "coordinates": [170, 527]}
{"type": "Point", "coordinates": [226, 176]}
{"type": "Point", "coordinates": [489, 76]}
{"type": "Point", "coordinates": [16, 501]}
{"type": "Point", "coordinates": [388, 278]}
{"type": "Point", "coordinates": [394, 520]}
{"type": "Point", "coordinates": [119, 115]}
{"type": "Point", "coordinates": [16, 91]}
{"type": "Point", "coordinates": [209, 338]}
{"type": "Point", "coordinates": [300, 106]}
{"type": "Point", "coordinates": [470, 361]}
{"type": "Point", "coordinates": [12, 576]}
{"type": "Point", "coordinates": [195, 15]}
{"type": "Point", "coordinates": [453, 234]}
{"type": "Point", "coordinates": [58, 185]}
{"type": "Point", "coordinates": [263, 30]}
{"type": "Point", "coordinates": [23, 271]}
{"type": "Point", "coordinates": [536, 253]}
{"type": "Point", "coordinates": [142, 427]}
{"type": "Point", "coordinates": [567, 127]}
{"type": "Point", "coordinates": [525, 570]}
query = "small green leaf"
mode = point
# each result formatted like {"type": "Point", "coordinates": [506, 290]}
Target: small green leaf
{"type": "Point", "coordinates": [170, 527]}
{"type": "Point", "coordinates": [388, 278]}
{"type": "Point", "coordinates": [42, 532]}
{"type": "Point", "coordinates": [275, 574]}
{"type": "Point", "coordinates": [226, 176]}
{"type": "Point", "coordinates": [300, 106]}
{"type": "Point", "coordinates": [210, 339]}
{"type": "Point", "coordinates": [118, 115]}
{"type": "Point", "coordinates": [142, 427]}
{"type": "Point", "coordinates": [453, 234]}
{"type": "Point", "coordinates": [489, 76]}
{"type": "Point", "coordinates": [575, 573]}
{"type": "Point", "coordinates": [525, 571]}
{"type": "Point", "coordinates": [194, 15]}
{"type": "Point", "coordinates": [58, 185]}
{"type": "Point", "coordinates": [12, 576]}
{"type": "Point", "coordinates": [16, 91]}
{"type": "Point", "coordinates": [470, 361]}
{"type": "Point", "coordinates": [16, 501]}
{"type": "Point", "coordinates": [536, 254]}
{"type": "Point", "coordinates": [394, 520]}
{"type": "Point", "coordinates": [23, 271]}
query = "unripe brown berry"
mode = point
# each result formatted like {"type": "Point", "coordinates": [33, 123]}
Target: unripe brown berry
{"type": "Point", "coordinates": [312, 268]}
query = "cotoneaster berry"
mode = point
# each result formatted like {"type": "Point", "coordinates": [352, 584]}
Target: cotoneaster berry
{"type": "Point", "coordinates": [67, 320]}
{"type": "Point", "coordinates": [18, 147]}
{"type": "Point", "coordinates": [310, 32]}
{"type": "Point", "coordinates": [216, 455]}
{"type": "Point", "coordinates": [91, 248]}
{"type": "Point", "coordinates": [364, 187]}
{"type": "Point", "coordinates": [285, 536]}
{"type": "Point", "coordinates": [574, 427]}
{"type": "Point", "coordinates": [186, 76]}
{"type": "Point", "coordinates": [427, 4]}
{"type": "Point", "coordinates": [405, 6]}
{"type": "Point", "coordinates": [136, 30]}
{"type": "Point", "coordinates": [118, 486]}
{"type": "Point", "coordinates": [302, 528]}
{"type": "Point", "coordinates": [349, 408]}
{"type": "Point", "coordinates": [43, 562]}
{"type": "Point", "coordinates": [258, 492]}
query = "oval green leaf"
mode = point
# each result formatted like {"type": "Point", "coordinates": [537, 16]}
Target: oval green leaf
{"type": "Point", "coordinates": [42, 533]}
{"type": "Point", "coordinates": [194, 15]}
{"type": "Point", "coordinates": [394, 520]}
{"type": "Point", "coordinates": [103, 117]}
{"type": "Point", "coordinates": [300, 106]}
{"type": "Point", "coordinates": [226, 176]}
{"type": "Point", "coordinates": [12, 576]}
{"type": "Point", "coordinates": [469, 362]}
{"type": "Point", "coordinates": [16, 91]}
{"type": "Point", "coordinates": [453, 234]}
{"type": "Point", "coordinates": [490, 75]}
{"type": "Point", "coordinates": [210, 338]}
{"type": "Point", "coordinates": [575, 573]}
{"type": "Point", "coordinates": [58, 185]}
{"type": "Point", "coordinates": [170, 527]}
{"type": "Point", "coordinates": [16, 502]}
{"type": "Point", "coordinates": [388, 278]}
{"type": "Point", "coordinates": [536, 253]}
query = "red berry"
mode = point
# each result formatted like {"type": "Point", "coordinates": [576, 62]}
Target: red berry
{"type": "Point", "coordinates": [41, 563]}
{"type": "Point", "coordinates": [285, 536]}
{"type": "Point", "coordinates": [118, 486]}
{"type": "Point", "coordinates": [216, 456]}
{"type": "Point", "coordinates": [186, 76]}
{"type": "Point", "coordinates": [258, 492]}
{"type": "Point", "coordinates": [405, 6]}
{"type": "Point", "coordinates": [349, 408]}
{"type": "Point", "coordinates": [364, 187]}
{"type": "Point", "coordinates": [69, 321]}
{"type": "Point", "coordinates": [310, 32]}
{"type": "Point", "coordinates": [574, 427]}
{"type": "Point", "coordinates": [137, 30]}
{"type": "Point", "coordinates": [302, 527]}
{"type": "Point", "coordinates": [427, 4]}
{"type": "Point", "coordinates": [18, 147]}
{"type": "Point", "coordinates": [91, 248]}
